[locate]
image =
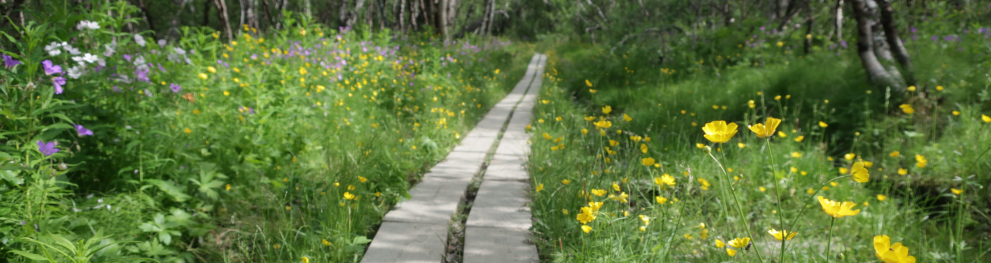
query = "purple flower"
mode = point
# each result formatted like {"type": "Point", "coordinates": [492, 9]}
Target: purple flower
{"type": "Point", "coordinates": [116, 89]}
{"type": "Point", "coordinates": [58, 82]}
{"type": "Point", "coordinates": [160, 67]}
{"type": "Point", "coordinates": [142, 75]}
{"type": "Point", "coordinates": [51, 69]}
{"type": "Point", "coordinates": [843, 43]}
{"type": "Point", "coordinates": [47, 148]}
{"type": "Point", "coordinates": [9, 61]}
{"type": "Point", "coordinates": [948, 38]}
{"type": "Point", "coordinates": [251, 110]}
{"type": "Point", "coordinates": [913, 29]}
{"type": "Point", "coordinates": [175, 88]}
{"type": "Point", "coordinates": [81, 131]}
{"type": "Point", "coordinates": [127, 57]}
{"type": "Point", "coordinates": [934, 38]}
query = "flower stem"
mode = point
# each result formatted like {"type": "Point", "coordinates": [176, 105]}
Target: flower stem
{"type": "Point", "coordinates": [739, 209]}
{"type": "Point", "coordinates": [830, 239]}
{"type": "Point", "coordinates": [777, 195]}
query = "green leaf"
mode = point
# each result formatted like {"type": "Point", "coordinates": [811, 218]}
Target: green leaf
{"type": "Point", "coordinates": [171, 189]}
{"type": "Point", "coordinates": [30, 256]}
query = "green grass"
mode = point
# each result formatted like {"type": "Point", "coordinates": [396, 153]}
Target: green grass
{"type": "Point", "coordinates": [764, 184]}
{"type": "Point", "coordinates": [291, 144]}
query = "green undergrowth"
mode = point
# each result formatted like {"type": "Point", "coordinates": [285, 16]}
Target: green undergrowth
{"type": "Point", "coordinates": [269, 147]}
{"type": "Point", "coordinates": [625, 131]}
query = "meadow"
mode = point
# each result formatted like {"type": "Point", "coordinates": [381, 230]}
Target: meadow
{"type": "Point", "coordinates": [280, 146]}
{"type": "Point", "coordinates": [770, 156]}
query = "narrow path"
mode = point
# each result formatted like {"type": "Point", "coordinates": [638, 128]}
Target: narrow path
{"type": "Point", "coordinates": [499, 223]}
{"type": "Point", "coordinates": [415, 231]}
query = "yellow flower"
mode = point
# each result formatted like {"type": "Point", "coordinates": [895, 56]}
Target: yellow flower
{"type": "Point", "coordinates": [920, 161]}
{"type": "Point", "coordinates": [939, 88]}
{"type": "Point", "coordinates": [589, 118]}
{"type": "Point", "coordinates": [586, 228]}
{"type": "Point", "coordinates": [348, 196]}
{"type": "Point", "coordinates": [796, 155]}
{"type": "Point", "coordinates": [645, 219]}
{"type": "Point", "coordinates": [664, 180]}
{"type": "Point", "coordinates": [956, 113]}
{"type": "Point", "coordinates": [699, 145]}
{"type": "Point", "coordinates": [607, 109]}
{"type": "Point", "coordinates": [780, 44]}
{"type": "Point", "coordinates": [767, 128]}
{"type": "Point", "coordinates": [704, 233]}
{"type": "Point", "coordinates": [211, 69]}
{"type": "Point", "coordinates": [777, 97]}
{"type": "Point", "coordinates": [306, 260]}
{"type": "Point", "coordinates": [548, 136]}
{"type": "Point", "coordinates": [731, 252]}
{"type": "Point", "coordinates": [956, 191]}
{"type": "Point", "coordinates": [592, 91]}
{"type": "Point", "coordinates": [751, 104]}
{"type": "Point", "coordinates": [907, 108]}
{"type": "Point", "coordinates": [849, 156]}
{"type": "Point", "coordinates": [589, 83]}
{"type": "Point", "coordinates": [741, 145]}
{"type": "Point", "coordinates": [540, 187]}
{"type": "Point", "coordinates": [587, 215]}
{"type": "Point", "coordinates": [497, 71]}
{"type": "Point", "coordinates": [881, 197]}
{"type": "Point", "coordinates": [739, 242]}
{"type": "Point", "coordinates": [985, 118]}
{"type": "Point", "coordinates": [203, 76]}
{"type": "Point", "coordinates": [799, 138]}
{"type": "Point", "coordinates": [887, 253]}
{"type": "Point", "coordinates": [566, 182]}
{"type": "Point", "coordinates": [227, 93]}
{"type": "Point", "coordinates": [788, 235]}
{"type": "Point", "coordinates": [621, 197]}
{"type": "Point", "coordinates": [860, 173]}
{"type": "Point", "coordinates": [782, 134]}
{"type": "Point", "coordinates": [902, 171]}
{"type": "Point", "coordinates": [705, 183]}
{"type": "Point", "coordinates": [810, 191]}
{"type": "Point", "coordinates": [228, 187]}
{"type": "Point", "coordinates": [584, 131]}
{"type": "Point", "coordinates": [188, 131]}
{"type": "Point", "coordinates": [647, 161]}
{"type": "Point", "coordinates": [837, 209]}
{"type": "Point", "coordinates": [643, 148]}
{"type": "Point", "coordinates": [627, 117]}
{"type": "Point", "coordinates": [911, 88]}
{"type": "Point", "coordinates": [719, 131]}
{"type": "Point", "coordinates": [615, 186]}
{"type": "Point", "coordinates": [660, 199]}
{"type": "Point", "coordinates": [362, 179]}
{"type": "Point", "coordinates": [603, 124]}
{"type": "Point", "coordinates": [598, 192]}
{"type": "Point", "coordinates": [823, 124]}
{"type": "Point", "coordinates": [325, 242]}
{"type": "Point", "coordinates": [720, 244]}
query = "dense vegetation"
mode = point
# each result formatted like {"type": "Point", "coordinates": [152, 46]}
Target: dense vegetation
{"type": "Point", "coordinates": [187, 131]}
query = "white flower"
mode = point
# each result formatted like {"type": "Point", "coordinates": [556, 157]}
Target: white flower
{"type": "Point", "coordinates": [101, 62]}
{"type": "Point", "coordinates": [110, 48]}
{"type": "Point", "coordinates": [139, 40]}
{"type": "Point", "coordinates": [86, 58]}
{"type": "Point", "coordinates": [161, 42]}
{"type": "Point", "coordinates": [87, 25]}
{"type": "Point", "coordinates": [53, 49]}
{"type": "Point", "coordinates": [76, 72]}
{"type": "Point", "coordinates": [73, 51]}
{"type": "Point", "coordinates": [179, 51]}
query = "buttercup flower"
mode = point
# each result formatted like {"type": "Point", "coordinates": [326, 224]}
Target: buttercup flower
{"type": "Point", "coordinates": [647, 161]}
{"type": "Point", "coordinates": [664, 180]}
{"type": "Point", "coordinates": [888, 253]}
{"type": "Point", "coordinates": [767, 128]}
{"type": "Point", "coordinates": [782, 234]}
{"type": "Point", "coordinates": [719, 131]}
{"type": "Point", "coordinates": [739, 242]}
{"type": "Point", "coordinates": [837, 209]}
{"type": "Point", "coordinates": [860, 173]}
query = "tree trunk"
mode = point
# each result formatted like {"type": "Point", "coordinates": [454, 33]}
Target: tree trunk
{"type": "Point", "coordinates": [206, 14]}
{"type": "Point", "coordinates": [839, 20]}
{"type": "Point", "coordinates": [402, 17]}
{"type": "Point", "coordinates": [876, 72]}
{"type": "Point", "coordinates": [891, 35]}
{"type": "Point", "coordinates": [306, 8]}
{"type": "Point", "coordinates": [488, 29]}
{"type": "Point", "coordinates": [173, 32]}
{"type": "Point", "coordinates": [222, 8]}
{"type": "Point", "coordinates": [442, 19]}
